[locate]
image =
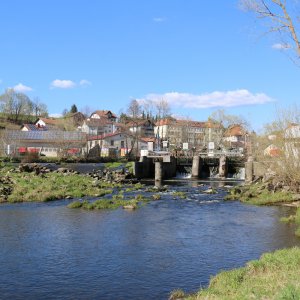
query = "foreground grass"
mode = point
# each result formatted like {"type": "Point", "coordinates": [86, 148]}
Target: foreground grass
{"type": "Point", "coordinates": [274, 276]}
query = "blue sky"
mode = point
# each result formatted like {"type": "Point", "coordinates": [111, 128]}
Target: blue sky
{"type": "Point", "coordinates": [199, 55]}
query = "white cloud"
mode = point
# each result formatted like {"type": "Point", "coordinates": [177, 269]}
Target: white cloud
{"type": "Point", "coordinates": [85, 82]}
{"type": "Point", "coordinates": [279, 46]}
{"type": "Point", "coordinates": [55, 115]}
{"type": "Point", "coordinates": [22, 88]}
{"type": "Point", "coordinates": [62, 84]}
{"type": "Point", "coordinates": [210, 100]}
{"type": "Point", "coordinates": [159, 19]}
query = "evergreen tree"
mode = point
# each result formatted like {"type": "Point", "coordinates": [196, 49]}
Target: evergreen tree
{"type": "Point", "coordinates": [73, 109]}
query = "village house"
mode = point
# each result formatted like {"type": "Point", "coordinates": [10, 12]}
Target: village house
{"type": "Point", "coordinates": [104, 115]}
{"type": "Point", "coordinates": [49, 123]}
{"type": "Point", "coordinates": [236, 136]}
{"type": "Point", "coordinates": [142, 128]}
{"type": "Point", "coordinates": [94, 126]}
{"type": "Point", "coordinates": [101, 122]}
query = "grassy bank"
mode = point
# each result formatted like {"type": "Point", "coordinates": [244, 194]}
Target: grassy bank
{"type": "Point", "coordinates": [258, 194]}
{"type": "Point", "coordinates": [274, 276]}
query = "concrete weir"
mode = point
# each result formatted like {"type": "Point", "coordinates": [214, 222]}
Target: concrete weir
{"type": "Point", "coordinates": [161, 165]}
{"type": "Point", "coordinates": [155, 166]}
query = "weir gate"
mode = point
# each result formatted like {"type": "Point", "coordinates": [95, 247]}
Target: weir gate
{"type": "Point", "coordinates": [162, 165]}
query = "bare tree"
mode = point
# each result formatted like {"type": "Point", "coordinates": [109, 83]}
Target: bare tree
{"type": "Point", "coordinates": [284, 135]}
{"type": "Point", "coordinates": [148, 107]}
{"type": "Point", "coordinates": [281, 17]}
{"type": "Point", "coordinates": [86, 111]}
{"type": "Point", "coordinates": [163, 108]}
{"type": "Point", "coordinates": [39, 108]}
{"type": "Point", "coordinates": [134, 109]}
{"type": "Point", "coordinates": [227, 120]}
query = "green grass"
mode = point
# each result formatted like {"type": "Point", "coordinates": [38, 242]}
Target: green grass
{"type": "Point", "coordinates": [274, 276]}
{"type": "Point", "coordinates": [156, 197]}
{"type": "Point", "coordinates": [289, 219]}
{"type": "Point", "coordinates": [181, 195]}
{"type": "Point", "coordinates": [113, 165]}
{"type": "Point", "coordinates": [104, 204]}
{"type": "Point", "coordinates": [257, 195]}
{"type": "Point", "coordinates": [52, 186]}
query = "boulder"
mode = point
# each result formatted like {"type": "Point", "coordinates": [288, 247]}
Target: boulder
{"type": "Point", "coordinates": [63, 170]}
{"type": "Point", "coordinates": [129, 207]}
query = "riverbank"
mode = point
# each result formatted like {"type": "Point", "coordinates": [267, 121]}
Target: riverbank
{"type": "Point", "coordinates": [274, 276]}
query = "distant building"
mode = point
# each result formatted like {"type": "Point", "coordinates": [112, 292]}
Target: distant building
{"type": "Point", "coordinates": [196, 134]}
{"type": "Point", "coordinates": [47, 143]}
{"type": "Point", "coordinates": [272, 151]}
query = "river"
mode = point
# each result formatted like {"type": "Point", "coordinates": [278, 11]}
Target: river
{"type": "Point", "coordinates": [51, 252]}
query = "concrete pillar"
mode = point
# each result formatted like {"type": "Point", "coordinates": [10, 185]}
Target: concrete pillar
{"type": "Point", "coordinates": [223, 167]}
{"type": "Point", "coordinates": [196, 166]}
{"type": "Point", "coordinates": [143, 158]}
{"type": "Point", "coordinates": [158, 173]}
{"type": "Point", "coordinates": [249, 169]}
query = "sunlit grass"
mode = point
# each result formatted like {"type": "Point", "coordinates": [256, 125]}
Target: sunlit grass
{"type": "Point", "coordinates": [274, 276]}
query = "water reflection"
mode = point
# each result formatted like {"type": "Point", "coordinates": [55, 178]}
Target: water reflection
{"type": "Point", "coordinates": [50, 251]}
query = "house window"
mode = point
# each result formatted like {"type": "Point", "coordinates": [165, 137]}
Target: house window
{"type": "Point", "coordinates": [122, 144]}
{"type": "Point", "coordinates": [112, 142]}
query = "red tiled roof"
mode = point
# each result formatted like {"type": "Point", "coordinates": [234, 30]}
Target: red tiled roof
{"type": "Point", "coordinates": [49, 121]}
{"type": "Point", "coordinates": [103, 113]}
{"type": "Point", "coordinates": [235, 130]}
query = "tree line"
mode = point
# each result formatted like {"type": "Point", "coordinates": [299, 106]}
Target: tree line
{"type": "Point", "coordinates": [15, 105]}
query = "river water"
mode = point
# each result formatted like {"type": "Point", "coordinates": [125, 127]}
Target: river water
{"type": "Point", "coordinates": [51, 252]}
